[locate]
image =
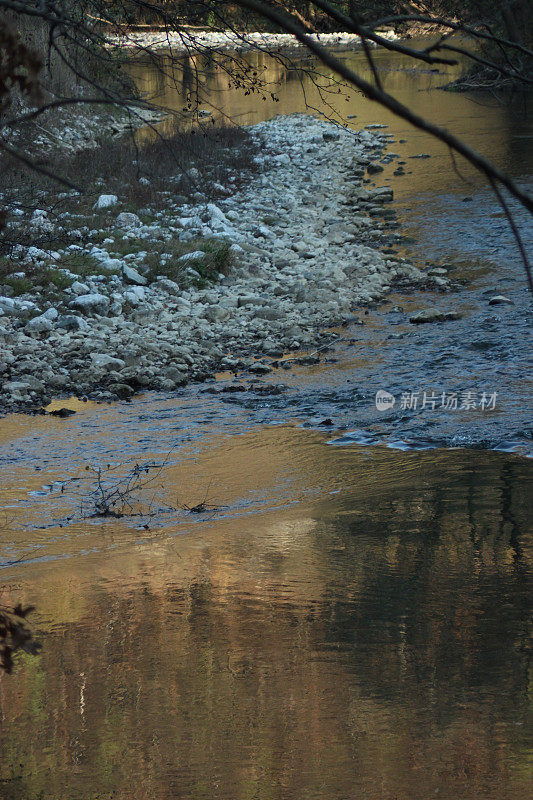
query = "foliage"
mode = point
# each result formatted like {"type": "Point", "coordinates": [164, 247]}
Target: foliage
{"type": "Point", "coordinates": [19, 68]}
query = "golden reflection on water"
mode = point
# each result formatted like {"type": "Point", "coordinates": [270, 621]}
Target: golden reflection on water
{"type": "Point", "coordinates": [353, 625]}
{"type": "Point", "coordinates": [486, 124]}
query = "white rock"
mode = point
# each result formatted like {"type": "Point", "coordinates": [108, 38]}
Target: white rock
{"type": "Point", "coordinates": [80, 288]}
{"type": "Point", "coordinates": [106, 201]}
{"type": "Point", "coordinates": [107, 362]}
{"type": "Point", "coordinates": [216, 213]}
{"type": "Point", "coordinates": [131, 275]}
{"type": "Point", "coordinates": [135, 294]}
{"type": "Point", "coordinates": [38, 325]}
{"type": "Point", "coordinates": [35, 254]}
{"type": "Point", "coordinates": [197, 255]}
{"type": "Point", "coordinates": [183, 304]}
{"type": "Point", "coordinates": [127, 219]}
{"type": "Point", "coordinates": [95, 303]}
{"type": "Point", "coordinates": [7, 305]}
{"type": "Point", "coordinates": [167, 285]}
{"type": "Point", "coordinates": [71, 322]}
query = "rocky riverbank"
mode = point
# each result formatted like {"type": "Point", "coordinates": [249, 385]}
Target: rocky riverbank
{"type": "Point", "coordinates": [297, 244]}
{"type": "Point", "coordinates": [190, 40]}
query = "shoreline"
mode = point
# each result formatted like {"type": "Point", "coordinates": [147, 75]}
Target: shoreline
{"type": "Point", "coordinates": [200, 40]}
{"type": "Point", "coordinates": [114, 334]}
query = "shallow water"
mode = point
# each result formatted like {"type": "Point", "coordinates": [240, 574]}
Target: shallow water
{"type": "Point", "coordinates": [347, 620]}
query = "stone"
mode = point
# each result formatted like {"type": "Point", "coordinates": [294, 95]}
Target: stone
{"type": "Point", "coordinates": [106, 201]}
{"type": "Point", "coordinates": [109, 363]}
{"type": "Point", "coordinates": [62, 413]}
{"type": "Point", "coordinates": [216, 313]}
{"type": "Point", "coordinates": [7, 305]}
{"type": "Point", "coordinates": [432, 315]}
{"type": "Point", "coordinates": [91, 303]}
{"type": "Point", "coordinates": [196, 255]}
{"type": "Point", "coordinates": [135, 295]}
{"type": "Point", "coordinates": [500, 299]}
{"type": "Point", "coordinates": [71, 322]}
{"type": "Point", "coordinates": [177, 377]}
{"type": "Point", "coordinates": [122, 390]}
{"type": "Point", "coordinates": [79, 288]}
{"type": "Point", "coordinates": [216, 214]}
{"type": "Point", "coordinates": [169, 286]}
{"type": "Point", "coordinates": [249, 300]}
{"type": "Point", "coordinates": [131, 275]}
{"type": "Point", "coordinates": [115, 309]}
{"type": "Point", "coordinates": [16, 387]}
{"type": "Point", "coordinates": [40, 324]}
{"type": "Point", "coordinates": [127, 219]}
{"type": "Point", "coordinates": [259, 368]}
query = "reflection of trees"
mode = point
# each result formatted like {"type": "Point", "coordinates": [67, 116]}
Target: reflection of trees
{"type": "Point", "coordinates": [376, 652]}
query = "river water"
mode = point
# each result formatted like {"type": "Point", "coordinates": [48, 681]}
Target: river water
{"type": "Point", "coordinates": [350, 616]}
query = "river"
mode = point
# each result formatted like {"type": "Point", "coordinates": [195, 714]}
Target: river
{"type": "Point", "coordinates": [350, 616]}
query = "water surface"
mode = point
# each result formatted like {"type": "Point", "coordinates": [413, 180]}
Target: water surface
{"type": "Point", "coordinates": [349, 621]}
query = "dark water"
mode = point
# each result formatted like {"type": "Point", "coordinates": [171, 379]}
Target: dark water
{"type": "Point", "coordinates": [353, 621]}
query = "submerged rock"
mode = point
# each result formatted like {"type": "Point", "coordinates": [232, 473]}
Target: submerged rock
{"type": "Point", "coordinates": [433, 315]}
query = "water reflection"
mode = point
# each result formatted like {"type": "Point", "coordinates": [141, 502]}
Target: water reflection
{"type": "Point", "coordinates": [367, 640]}
{"type": "Point", "coordinates": [499, 131]}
